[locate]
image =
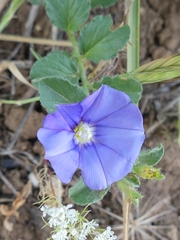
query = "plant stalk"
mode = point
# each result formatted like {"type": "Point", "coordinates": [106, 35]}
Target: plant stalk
{"type": "Point", "coordinates": [126, 211]}
{"type": "Point", "coordinates": [19, 102]}
{"type": "Point", "coordinates": [133, 46]}
{"type": "Point", "coordinates": [178, 123]}
{"type": "Point", "coordinates": [132, 64]}
{"type": "Point", "coordinates": [80, 64]}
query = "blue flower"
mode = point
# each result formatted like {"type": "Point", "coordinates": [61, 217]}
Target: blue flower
{"type": "Point", "coordinates": [102, 135]}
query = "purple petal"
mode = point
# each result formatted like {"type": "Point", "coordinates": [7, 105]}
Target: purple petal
{"type": "Point", "coordinates": [126, 143]}
{"type": "Point", "coordinates": [128, 117]}
{"type": "Point", "coordinates": [71, 113]}
{"type": "Point", "coordinates": [87, 102]}
{"type": "Point", "coordinates": [91, 167]}
{"type": "Point", "coordinates": [65, 164]}
{"type": "Point", "coordinates": [55, 121]}
{"type": "Point", "coordinates": [115, 166]}
{"type": "Point", "coordinates": [106, 101]}
{"type": "Point", "coordinates": [55, 142]}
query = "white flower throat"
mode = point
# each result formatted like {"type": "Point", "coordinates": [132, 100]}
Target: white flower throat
{"type": "Point", "coordinates": [83, 133]}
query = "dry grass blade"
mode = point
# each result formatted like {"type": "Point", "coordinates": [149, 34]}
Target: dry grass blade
{"type": "Point", "coordinates": [40, 41]}
{"type": "Point", "coordinates": [15, 71]}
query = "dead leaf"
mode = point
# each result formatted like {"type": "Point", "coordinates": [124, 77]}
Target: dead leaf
{"type": "Point", "coordinates": [4, 210]}
{"type": "Point", "coordinates": [8, 212]}
{"type": "Point", "coordinates": [16, 204]}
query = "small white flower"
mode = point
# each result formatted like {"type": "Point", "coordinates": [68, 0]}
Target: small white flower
{"type": "Point", "coordinates": [61, 235]}
{"type": "Point", "coordinates": [72, 216]}
{"type": "Point", "coordinates": [106, 235]}
{"type": "Point", "coordinates": [45, 210]}
{"type": "Point", "coordinates": [87, 229]}
{"type": "Point", "coordinates": [74, 233]}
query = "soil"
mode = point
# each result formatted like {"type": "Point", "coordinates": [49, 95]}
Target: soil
{"type": "Point", "coordinates": [21, 155]}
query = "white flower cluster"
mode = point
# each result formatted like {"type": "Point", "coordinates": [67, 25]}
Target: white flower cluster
{"type": "Point", "coordinates": [70, 224]}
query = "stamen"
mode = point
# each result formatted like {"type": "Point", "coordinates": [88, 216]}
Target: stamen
{"type": "Point", "coordinates": [83, 133]}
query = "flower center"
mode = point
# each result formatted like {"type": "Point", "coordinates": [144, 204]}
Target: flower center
{"type": "Point", "coordinates": [83, 133]}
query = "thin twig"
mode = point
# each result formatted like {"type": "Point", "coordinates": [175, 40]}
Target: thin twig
{"type": "Point", "coordinates": [8, 184]}
{"type": "Point", "coordinates": [152, 128]}
{"type": "Point", "coordinates": [2, 200]}
{"type": "Point", "coordinates": [40, 41]}
{"type": "Point", "coordinates": [109, 213]}
{"type": "Point", "coordinates": [16, 135]}
{"type": "Point", "coordinates": [22, 163]}
{"type": "Point", "coordinates": [30, 20]}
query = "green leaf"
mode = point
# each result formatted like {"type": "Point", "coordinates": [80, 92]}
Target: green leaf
{"type": "Point", "coordinates": [56, 64]}
{"type": "Point", "coordinates": [82, 195]}
{"type": "Point", "coordinates": [133, 179]}
{"type": "Point", "coordinates": [129, 191]}
{"type": "Point", "coordinates": [38, 2]}
{"type": "Point", "coordinates": [54, 91]}
{"type": "Point", "coordinates": [150, 157]}
{"type": "Point", "coordinates": [130, 86]}
{"type": "Point", "coordinates": [147, 172]}
{"type": "Point", "coordinates": [102, 3]}
{"type": "Point", "coordinates": [68, 15]}
{"type": "Point", "coordinates": [97, 42]}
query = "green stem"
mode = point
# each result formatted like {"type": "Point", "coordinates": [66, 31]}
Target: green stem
{"type": "Point", "coordinates": [133, 46]}
{"type": "Point", "coordinates": [19, 102]}
{"type": "Point", "coordinates": [132, 64]}
{"type": "Point", "coordinates": [80, 64]}
{"type": "Point", "coordinates": [178, 123]}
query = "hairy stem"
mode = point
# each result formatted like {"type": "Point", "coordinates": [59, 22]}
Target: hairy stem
{"type": "Point", "coordinates": [80, 64]}
{"type": "Point", "coordinates": [19, 102]}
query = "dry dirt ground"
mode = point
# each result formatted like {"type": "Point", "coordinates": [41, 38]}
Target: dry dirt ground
{"type": "Point", "coordinates": [20, 152]}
